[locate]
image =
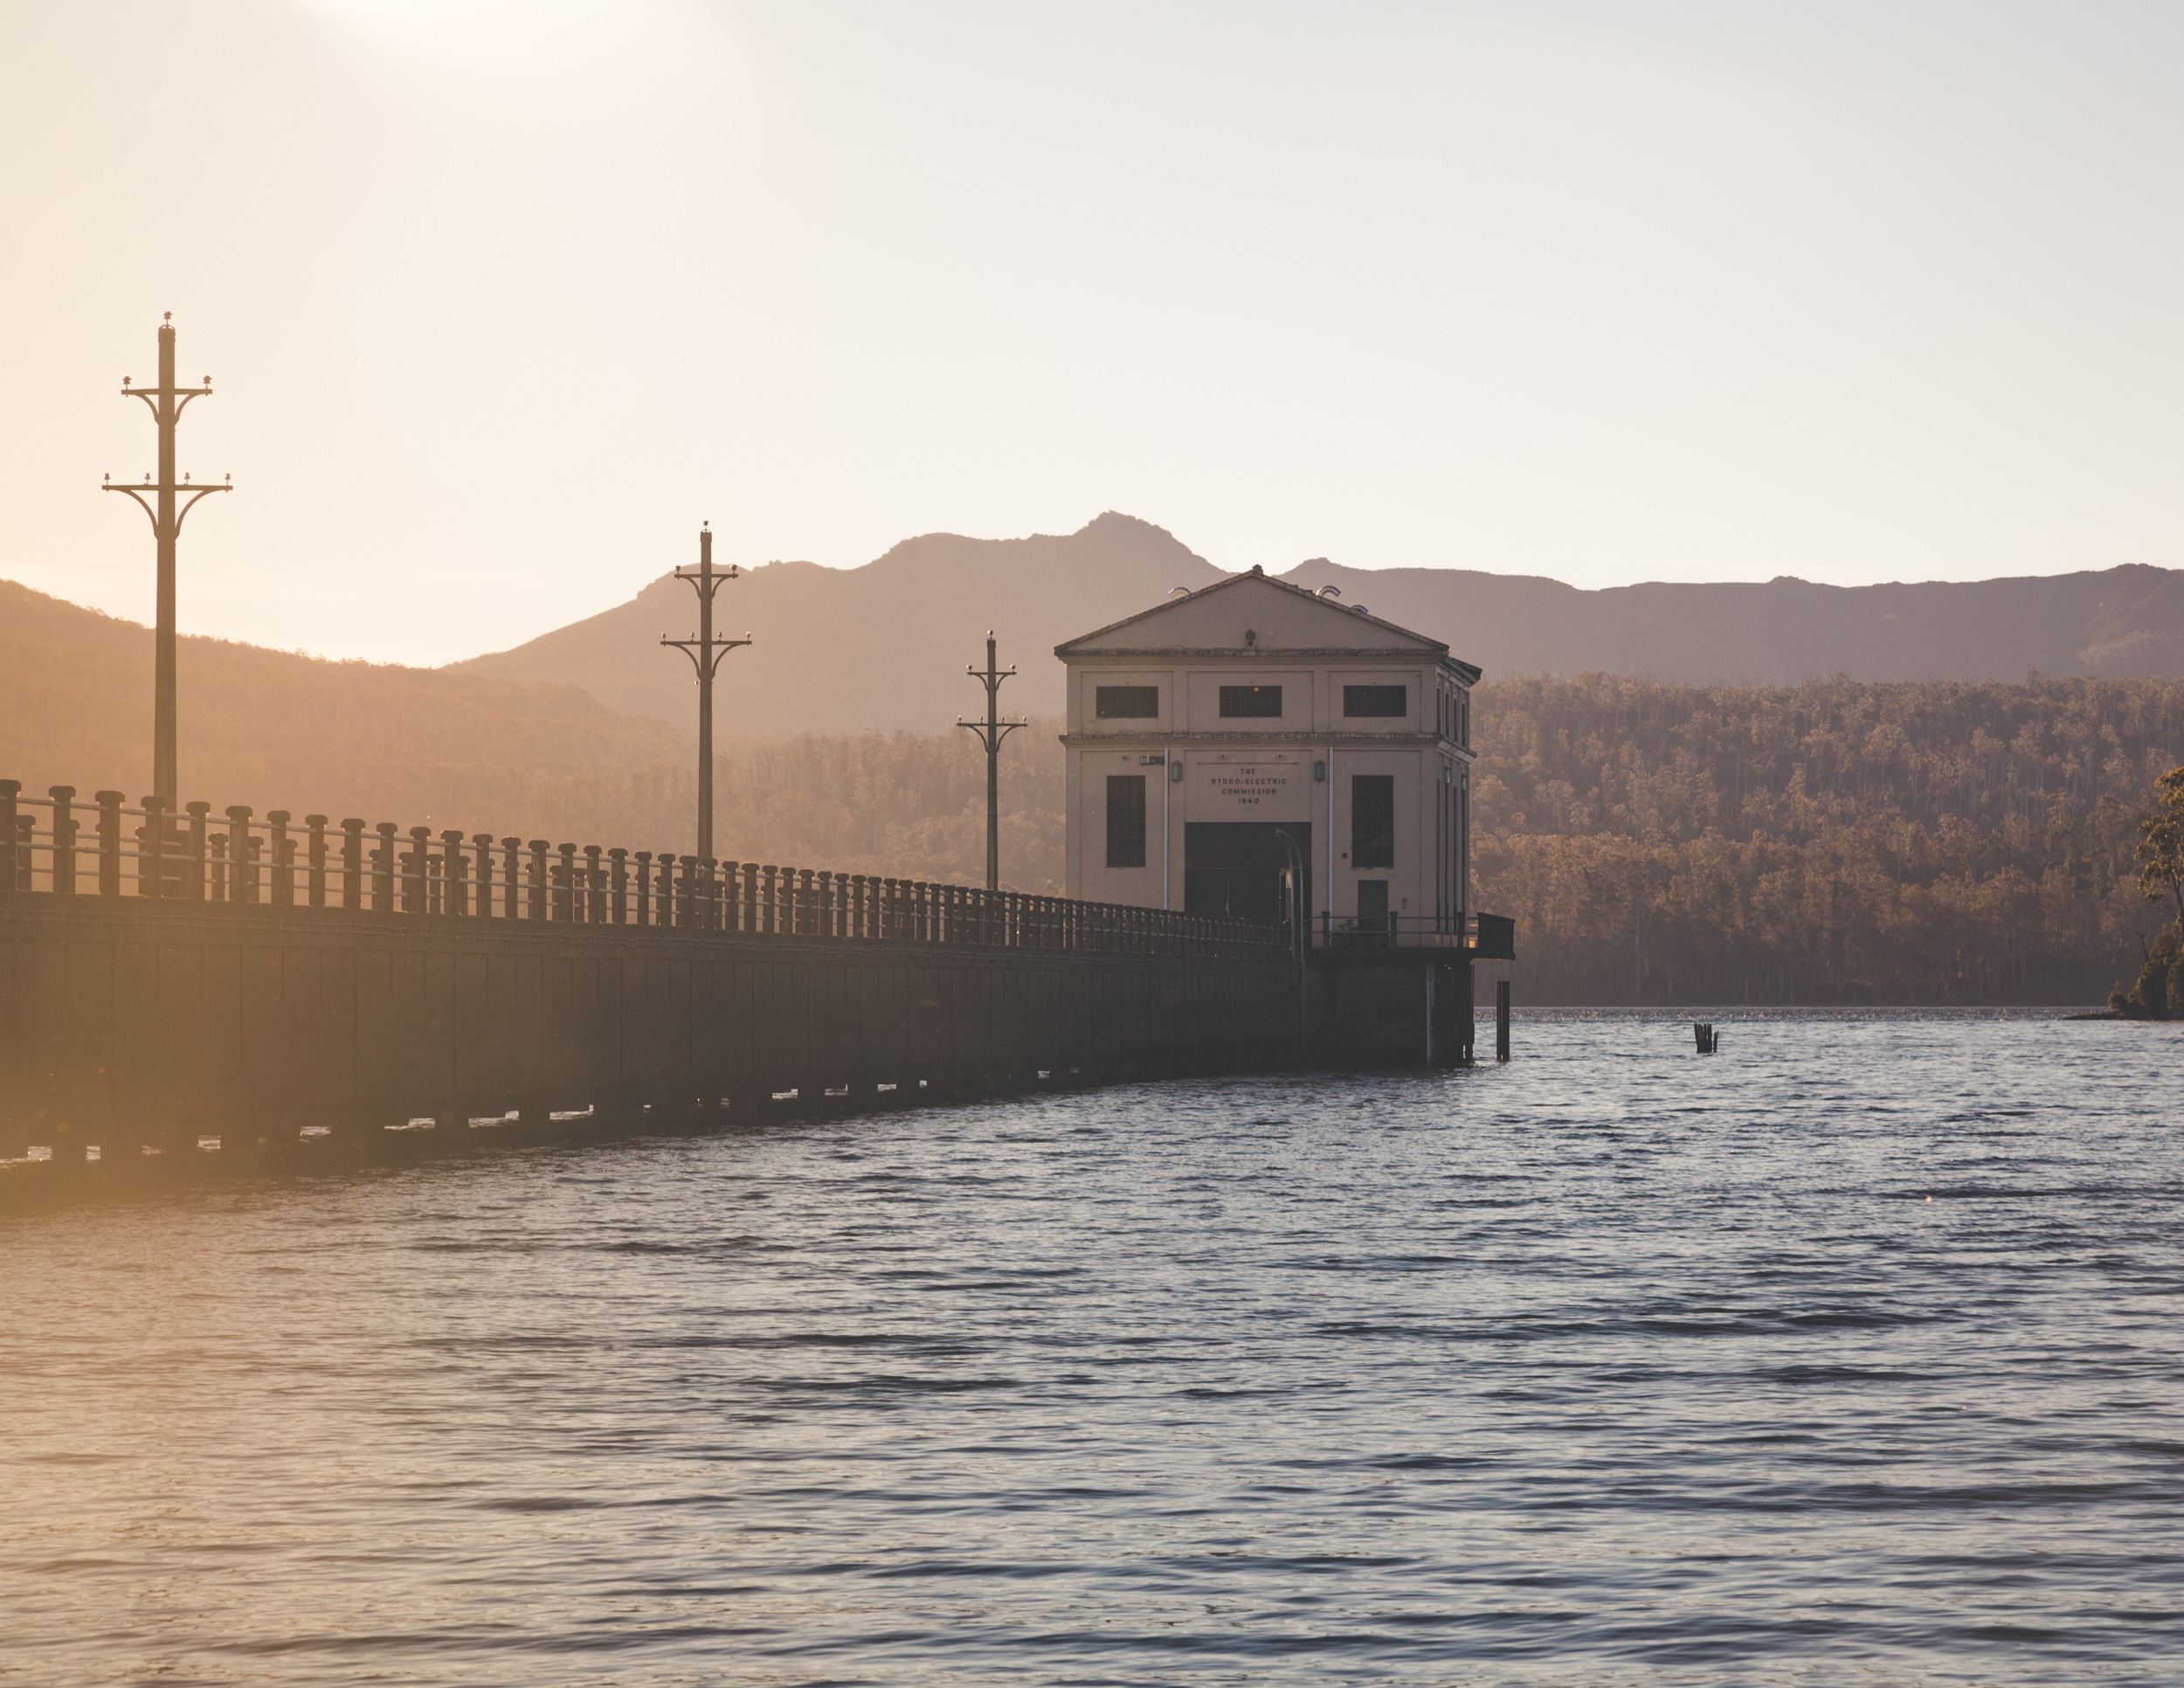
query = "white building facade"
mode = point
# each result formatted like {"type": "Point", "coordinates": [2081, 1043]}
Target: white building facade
{"type": "Point", "coordinates": [1203, 731]}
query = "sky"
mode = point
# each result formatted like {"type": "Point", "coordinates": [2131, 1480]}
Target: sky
{"type": "Point", "coordinates": [501, 299]}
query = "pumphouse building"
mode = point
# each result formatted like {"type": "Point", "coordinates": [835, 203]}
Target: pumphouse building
{"type": "Point", "coordinates": [1224, 742]}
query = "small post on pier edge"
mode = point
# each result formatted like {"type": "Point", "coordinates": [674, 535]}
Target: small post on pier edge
{"type": "Point", "coordinates": [1501, 1020]}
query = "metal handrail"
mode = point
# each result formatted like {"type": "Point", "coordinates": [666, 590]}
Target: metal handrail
{"type": "Point", "coordinates": [110, 848]}
{"type": "Point", "coordinates": [1484, 936]}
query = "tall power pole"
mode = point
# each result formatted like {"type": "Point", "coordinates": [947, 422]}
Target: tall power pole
{"type": "Point", "coordinates": [705, 652]}
{"type": "Point", "coordinates": [991, 731]}
{"type": "Point", "coordinates": [166, 402]}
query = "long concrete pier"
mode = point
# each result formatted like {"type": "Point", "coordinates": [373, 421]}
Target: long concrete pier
{"type": "Point", "coordinates": [132, 1024]}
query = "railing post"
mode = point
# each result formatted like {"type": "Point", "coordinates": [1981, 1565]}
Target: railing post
{"type": "Point", "coordinates": [537, 900]}
{"type": "Point", "coordinates": [511, 878]}
{"type": "Point", "coordinates": [644, 887]}
{"type": "Point", "coordinates": [751, 897]}
{"type": "Point", "coordinates": [283, 854]}
{"type": "Point", "coordinates": [153, 857]}
{"type": "Point", "coordinates": [415, 880]}
{"type": "Point", "coordinates": [731, 896]}
{"type": "Point", "coordinates": [595, 887]}
{"type": "Point", "coordinates": [454, 877]}
{"type": "Point", "coordinates": [109, 843]}
{"type": "Point", "coordinates": [823, 904]}
{"type": "Point", "coordinates": [482, 843]}
{"type": "Point", "coordinates": [709, 893]}
{"type": "Point", "coordinates": [63, 840]}
{"type": "Point", "coordinates": [564, 871]}
{"type": "Point", "coordinates": [352, 863]}
{"type": "Point", "coordinates": [383, 866]}
{"type": "Point", "coordinates": [315, 867]}
{"type": "Point", "coordinates": [619, 858]}
{"type": "Point", "coordinates": [195, 884]}
{"type": "Point", "coordinates": [9, 790]}
{"type": "Point", "coordinates": [242, 883]}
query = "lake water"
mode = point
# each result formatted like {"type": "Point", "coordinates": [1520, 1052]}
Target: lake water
{"type": "Point", "coordinates": [1852, 1354]}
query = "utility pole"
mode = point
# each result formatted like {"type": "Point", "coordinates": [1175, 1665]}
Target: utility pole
{"type": "Point", "coordinates": [705, 652]}
{"type": "Point", "coordinates": [166, 402]}
{"type": "Point", "coordinates": [990, 732]}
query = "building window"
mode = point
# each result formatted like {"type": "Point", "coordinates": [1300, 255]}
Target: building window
{"type": "Point", "coordinates": [1126, 821]}
{"type": "Point", "coordinates": [1126, 702]}
{"type": "Point", "coordinates": [1379, 701]}
{"type": "Point", "coordinates": [1251, 701]}
{"type": "Point", "coordinates": [1372, 821]}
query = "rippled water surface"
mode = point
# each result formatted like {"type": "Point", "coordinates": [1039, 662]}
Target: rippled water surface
{"type": "Point", "coordinates": [1850, 1355]}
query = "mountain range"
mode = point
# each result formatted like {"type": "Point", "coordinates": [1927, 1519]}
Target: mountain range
{"type": "Point", "coordinates": [885, 646]}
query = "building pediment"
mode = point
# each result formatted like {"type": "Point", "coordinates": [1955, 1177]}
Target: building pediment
{"type": "Point", "coordinates": [1252, 613]}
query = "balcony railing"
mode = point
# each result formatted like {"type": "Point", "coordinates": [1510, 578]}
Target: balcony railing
{"type": "Point", "coordinates": [1481, 936]}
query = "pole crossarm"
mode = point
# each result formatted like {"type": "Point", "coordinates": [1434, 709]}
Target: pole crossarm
{"type": "Point", "coordinates": [692, 646]}
{"type": "Point", "coordinates": [997, 730]}
{"type": "Point", "coordinates": [151, 396]}
{"type": "Point", "coordinates": [187, 489]}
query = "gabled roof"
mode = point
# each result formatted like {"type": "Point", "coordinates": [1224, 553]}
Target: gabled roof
{"type": "Point", "coordinates": [1200, 624]}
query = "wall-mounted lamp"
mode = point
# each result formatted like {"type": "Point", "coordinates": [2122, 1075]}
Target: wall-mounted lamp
{"type": "Point", "coordinates": [1175, 773]}
{"type": "Point", "coordinates": [1319, 773]}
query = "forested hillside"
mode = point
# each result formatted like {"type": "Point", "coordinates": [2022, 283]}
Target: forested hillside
{"type": "Point", "coordinates": [1937, 843]}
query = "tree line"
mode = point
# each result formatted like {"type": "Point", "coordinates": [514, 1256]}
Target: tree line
{"type": "Point", "coordinates": [1839, 842]}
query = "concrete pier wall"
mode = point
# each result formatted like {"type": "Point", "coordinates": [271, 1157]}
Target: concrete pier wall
{"type": "Point", "coordinates": [128, 1022]}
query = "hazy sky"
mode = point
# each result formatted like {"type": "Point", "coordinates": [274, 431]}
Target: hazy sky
{"type": "Point", "coordinates": [500, 299]}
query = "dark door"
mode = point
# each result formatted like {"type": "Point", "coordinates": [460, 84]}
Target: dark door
{"type": "Point", "coordinates": [1241, 869]}
{"type": "Point", "coordinates": [1373, 905]}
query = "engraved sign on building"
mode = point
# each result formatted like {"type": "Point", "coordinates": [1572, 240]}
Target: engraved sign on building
{"type": "Point", "coordinates": [1266, 789]}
